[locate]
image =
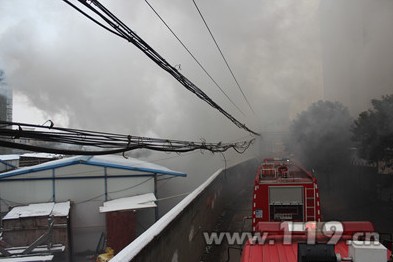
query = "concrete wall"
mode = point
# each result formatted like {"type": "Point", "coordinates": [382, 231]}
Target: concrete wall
{"type": "Point", "coordinates": [178, 236]}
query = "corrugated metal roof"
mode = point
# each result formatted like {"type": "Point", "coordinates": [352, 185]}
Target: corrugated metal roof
{"type": "Point", "coordinates": [128, 203]}
{"type": "Point", "coordinates": [9, 157]}
{"type": "Point", "coordinates": [110, 161]}
{"type": "Point", "coordinates": [279, 252]}
{"type": "Point", "coordinates": [41, 155]}
{"type": "Point", "coordinates": [39, 210]}
{"type": "Point", "coordinates": [30, 258]}
{"type": "Point", "coordinates": [275, 250]}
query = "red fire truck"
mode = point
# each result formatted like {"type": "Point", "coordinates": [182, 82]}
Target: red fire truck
{"type": "Point", "coordinates": [284, 191]}
{"type": "Point", "coordinates": [286, 222]}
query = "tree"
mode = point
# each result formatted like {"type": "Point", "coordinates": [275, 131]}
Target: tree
{"type": "Point", "coordinates": [373, 130]}
{"type": "Point", "coordinates": [320, 136]}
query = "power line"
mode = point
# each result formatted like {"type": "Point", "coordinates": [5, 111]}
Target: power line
{"type": "Point", "coordinates": [196, 60]}
{"type": "Point", "coordinates": [223, 57]}
{"type": "Point", "coordinates": [100, 143]}
{"type": "Point", "coordinates": [126, 33]}
{"type": "Point", "coordinates": [92, 19]}
{"type": "Point", "coordinates": [173, 196]}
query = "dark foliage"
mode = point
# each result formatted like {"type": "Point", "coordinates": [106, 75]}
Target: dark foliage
{"type": "Point", "coordinates": [373, 130]}
{"type": "Point", "coordinates": [320, 136]}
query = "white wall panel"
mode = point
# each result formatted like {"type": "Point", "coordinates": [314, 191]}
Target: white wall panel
{"type": "Point", "coordinates": [26, 192]}
{"type": "Point", "coordinates": [78, 190]}
{"type": "Point", "coordinates": [122, 187]}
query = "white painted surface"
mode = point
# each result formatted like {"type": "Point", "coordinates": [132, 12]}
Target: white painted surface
{"type": "Point", "coordinates": [61, 209]}
{"type": "Point", "coordinates": [25, 192]}
{"type": "Point", "coordinates": [42, 155]}
{"type": "Point", "coordinates": [19, 250]}
{"type": "Point", "coordinates": [127, 203]}
{"type": "Point", "coordinates": [37, 210]}
{"type": "Point", "coordinates": [28, 259]}
{"type": "Point", "coordinates": [367, 251]}
{"type": "Point", "coordinates": [9, 157]}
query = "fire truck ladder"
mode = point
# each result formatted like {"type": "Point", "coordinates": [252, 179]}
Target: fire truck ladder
{"type": "Point", "coordinates": [310, 204]}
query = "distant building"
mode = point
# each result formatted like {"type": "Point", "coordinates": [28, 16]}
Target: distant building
{"type": "Point", "coordinates": [5, 105]}
{"type": "Point", "coordinates": [5, 99]}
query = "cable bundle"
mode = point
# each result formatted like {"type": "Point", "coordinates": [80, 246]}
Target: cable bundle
{"type": "Point", "coordinates": [122, 30]}
{"type": "Point", "coordinates": [57, 140]}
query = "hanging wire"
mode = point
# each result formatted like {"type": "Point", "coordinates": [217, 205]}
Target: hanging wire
{"type": "Point", "coordinates": [225, 166]}
{"type": "Point", "coordinates": [223, 57]}
{"type": "Point", "coordinates": [125, 32]}
{"type": "Point", "coordinates": [69, 141]}
{"type": "Point", "coordinates": [112, 192]}
{"type": "Point", "coordinates": [195, 59]}
{"type": "Point", "coordinates": [173, 196]}
{"type": "Point", "coordinates": [92, 19]}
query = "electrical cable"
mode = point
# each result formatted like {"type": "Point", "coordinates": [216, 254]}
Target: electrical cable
{"type": "Point", "coordinates": [196, 60]}
{"type": "Point", "coordinates": [87, 142]}
{"type": "Point", "coordinates": [132, 37]}
{"type": "Point", "coordinates": [166, 180]}
{"type": "Point", "coordinates": [92, 19]}
{"type": "Point", "coordinates": [223, 57]}
{"type": "Point", "coordinates": [225, 166]}
{"type": "Point", "coordinates": [173, 196]}
{"type": "Point", "coordinates": [117, 191]}
{"type": "Point", "coordinates": [131, 187]}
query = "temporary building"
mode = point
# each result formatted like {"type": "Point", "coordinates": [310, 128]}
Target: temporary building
{"type": "Point", "coordinates": [91, 184]}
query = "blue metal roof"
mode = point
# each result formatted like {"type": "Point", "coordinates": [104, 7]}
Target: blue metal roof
{"type": "Point", "coordinates": [108, 161]}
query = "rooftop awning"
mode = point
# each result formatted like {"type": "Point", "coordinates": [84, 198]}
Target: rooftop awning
{"type": "Point", "coordinates": [38, 210]}
{"type": "Point", "coordinates": [105, 161]}
{"type": "Point", "coordinates": [129, 203]}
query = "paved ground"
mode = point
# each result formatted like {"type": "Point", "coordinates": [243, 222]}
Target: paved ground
{"type": "Point", "coordinates": [233, 219]}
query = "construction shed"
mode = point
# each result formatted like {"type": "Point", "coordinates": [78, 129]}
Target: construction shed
{"type": "Point", "coordinates": [88, 182]}
{"type": "Point", "coordinates": [49, 222]}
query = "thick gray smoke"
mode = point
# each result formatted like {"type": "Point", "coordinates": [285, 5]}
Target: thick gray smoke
{"type": "Point", "coordinates": [357, 37]}
{"type": "Point", "coordinates": [320, 136]}
{"type": "Point", "coordinates": [66, 65]}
